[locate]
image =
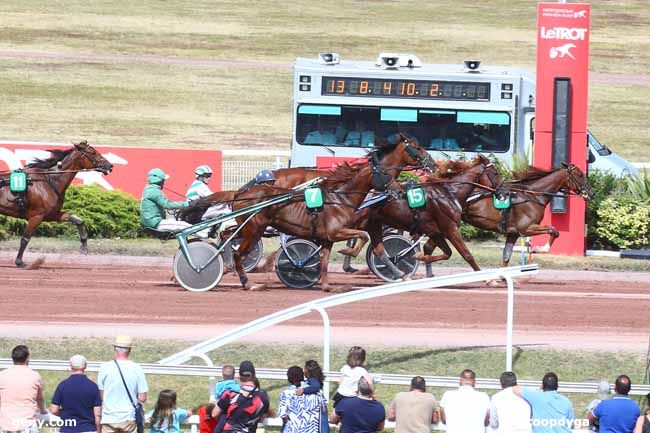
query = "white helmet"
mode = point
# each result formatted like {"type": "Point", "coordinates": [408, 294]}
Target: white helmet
{"type": "Point", "coordinates": [203, 170]}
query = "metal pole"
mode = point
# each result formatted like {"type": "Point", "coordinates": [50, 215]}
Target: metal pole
{"type": "Point", "coordinates": [510, 319]}
{"type": "Point", "coordinates": [212, 379]}
{"type": "Point", "coordinates": [326, 347]}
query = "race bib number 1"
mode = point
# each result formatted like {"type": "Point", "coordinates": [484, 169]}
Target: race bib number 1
{"type": "Point", "coordinates": [415, 197]}
{"type": "Point", "coordinates": [313, 198]}
{"type": "Point", "coordinates": [18, 181]}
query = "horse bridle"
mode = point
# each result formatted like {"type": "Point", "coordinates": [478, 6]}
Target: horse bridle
{"type": "Point", "coordinates": [577, 186]}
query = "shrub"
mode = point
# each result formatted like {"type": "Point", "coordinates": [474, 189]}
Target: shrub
{"type": "Point", "coordinates": [639, 187]}
{"type": "Point", "coordinates": [406, 176]}
{"type": "Point", "coordinates": [604, 185]}
{"type": "Point", "coordinates": [624, 222]}
{"type": "Point", "coordinates": [470, 232]}
{"type": "Point", "coordinates": [107, 214]}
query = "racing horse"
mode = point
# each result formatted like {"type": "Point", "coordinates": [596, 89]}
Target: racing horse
{"type": "Point", "coordinates": [343, 192]}
{"type": "Point", "coordinates": [530, 192]}
{"type": "Point", "coordinates": [441, 215]}
{"type": "Point", "coordinates": [49, 179]}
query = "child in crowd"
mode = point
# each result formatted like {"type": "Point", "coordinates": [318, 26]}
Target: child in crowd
{"type": "Point", "coordinates": [350, 374]}
{"type": "Point", "coordinates": [315, 378]}
{"type": "Point", "coordinates": [206, 422]}
{"type": "Point", "coordinates": [228, 382]}
{"type": "Point", "coordinates": [166, 417]}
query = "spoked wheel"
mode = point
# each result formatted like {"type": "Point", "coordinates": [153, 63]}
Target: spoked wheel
{"type": "Point", "coordinates": [207, 278]}
{"type": "Point", "coordinates": [306, 270]}
{"type": "Point", "coordinates": [397, 248]}
{"type": "Point", "coordinates": [253, 257]}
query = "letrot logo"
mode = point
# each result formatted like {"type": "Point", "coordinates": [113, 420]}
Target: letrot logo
{"type": "Point", "coordinates": [580, 14]}
{"type": "Point", "coordinates": [561, 51]}
{"type": "Point", "coordinates": [563, 33]}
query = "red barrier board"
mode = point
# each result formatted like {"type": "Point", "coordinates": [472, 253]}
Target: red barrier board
{"type": "Point", "coordinates": [130, 166]}
{"type": "Point", "coordinates": [563, 51]}
{"type": "Point", "coordinates": [332, 161]}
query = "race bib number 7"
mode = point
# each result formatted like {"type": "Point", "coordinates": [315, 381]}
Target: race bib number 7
{"type": "Point", "coordinates": [313, 198]}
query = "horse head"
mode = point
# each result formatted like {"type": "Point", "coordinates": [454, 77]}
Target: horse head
{"type": "Point", "coordinates": [392, 155]}
{"type": "Point", "coordinates": [489, 175]}
{"type": "Point", "coordinates": [90, 159]}
{"type": "Point", "coordinates": [578, 182]}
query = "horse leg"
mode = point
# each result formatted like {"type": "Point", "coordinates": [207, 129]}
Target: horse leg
{"type": "Point", "coordinates": [457, 241]}
{"type": "Point", "coordinates": [538, 229]}
{"type": "Point", "coordinates": [81, 226]}
{"type": "Point", "coordinates": [511, 239]}
{"type": "Point", "coordinates": [32, 223]}
{"type": "Point", "coordinates": [439, 241]}
{"type": "Point", "coordinates": [347, 259]}
{"type": "Point", "coordinates": [250, 236]}
{"type": "Point", "coordinates": [427, 250]}
{"type": "Point", "coordinates": [326, 249]}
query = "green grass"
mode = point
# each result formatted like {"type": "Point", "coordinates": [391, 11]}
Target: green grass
{"type": "Point", "coordinates": [129, 102]}
{"type": "Point", "coordinates": [487, 253]}
{"type": "Point", "coordinates": [488, 363]}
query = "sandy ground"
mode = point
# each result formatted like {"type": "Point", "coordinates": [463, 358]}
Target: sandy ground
{"type": "Point", "coordinates": [102, 295]}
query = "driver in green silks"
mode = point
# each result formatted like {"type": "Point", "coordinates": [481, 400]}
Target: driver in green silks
{"type": "Point", "coordinates": [154, 203]}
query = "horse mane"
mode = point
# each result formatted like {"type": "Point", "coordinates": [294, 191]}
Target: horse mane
{"type": "Point", "coordinates": [531, 173]}
{"type": "Point", "coordinates": [342, 173]}
{"type": "Point", "coordinates": [450, 168]}
{"type": "Point", "coordinates": [57, 156]}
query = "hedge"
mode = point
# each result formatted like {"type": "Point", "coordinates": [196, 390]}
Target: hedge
{"type": "Point", "coordinates": [107, 214]}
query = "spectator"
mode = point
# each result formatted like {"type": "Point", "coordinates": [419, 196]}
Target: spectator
{"type": "Point", "coordinates": [361, 414]}
{"type": "Point", "coordinates": [228, 382]}
{"type": "Point", "coordinates": [508, 412]}
{"type": "Point", "coordinates": [618, 414]}
{"type": "Point", "coordinates": [603, 394]}
{"type": "Point", "coordinates": [287, 407]}
{"type": "Point", "coordinates": [245, 408]}
{"type": "Point", "coordinates": [643, 422]}
{"type": "Point", "coordinates": [77, 398]}
{"type": "Point", "coordinates": [21, 394]}
{"type": "Point", "coordinates": [206, 422]}
{"type": "Point", "coordinates": [552, 412]}
{"type": "Point", "coordinates": [315, 379]}
{"type": "Point", "coordinates": [414, 411]}
{"type": "Point", "coordinates": [465, 410]}
{"type": "Point", "coordinates": [350, 374]}
{"type": "Point", "coordinates": [166, 417]}
{"type": "Point", "coordinates": [118, 400]}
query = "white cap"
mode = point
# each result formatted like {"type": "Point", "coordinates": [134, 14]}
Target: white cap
{"type": "Point", "coordinates": [77, 362]}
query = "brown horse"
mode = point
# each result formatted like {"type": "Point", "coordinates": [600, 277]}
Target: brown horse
{"type": "Point", "coordinates": [49, 180]}
{"type": "Point", "coordinates": [343, 191]}
{"type": "Point", "coordinates": [530, 193]}
{"type": "Point", "coordinates": [440, 217]}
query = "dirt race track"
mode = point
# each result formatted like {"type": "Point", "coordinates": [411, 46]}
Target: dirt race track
{"type": "Point", "coordinates": [94, 297]}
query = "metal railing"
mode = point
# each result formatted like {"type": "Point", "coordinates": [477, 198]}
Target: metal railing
{"type": "Point", "coordinates": [331, 376]}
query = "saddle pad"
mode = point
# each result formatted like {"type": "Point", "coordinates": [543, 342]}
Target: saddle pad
{"type": "Point", "coordinates": [372, 201]}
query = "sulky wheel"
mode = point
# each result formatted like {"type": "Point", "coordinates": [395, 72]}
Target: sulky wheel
{"type": "Point", "coordinates": [397, 248]}
{"type": "Point", "coordinates": [207, 278]}
{"type": "Point", "coordinates": [304, 271]}
{"type": "Point", "coordinates": [253, 257]}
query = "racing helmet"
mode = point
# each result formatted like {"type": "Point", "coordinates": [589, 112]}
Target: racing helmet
{"type": "Point", "coordinates": [203, 170]}
{"type": "Point", "coordinates": [264, 176]}
{"type": "Point", "coordinates": [156, 175]}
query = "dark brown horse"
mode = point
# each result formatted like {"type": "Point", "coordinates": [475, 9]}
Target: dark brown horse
{"type": "Point", "coordinates": [440, 217]}
{"type": "Point", "coordinates": [343, 191]}
{"type": "Point", "coordinates": [44, 196]}
{"type": "Point", "coordinates": [530, 193]}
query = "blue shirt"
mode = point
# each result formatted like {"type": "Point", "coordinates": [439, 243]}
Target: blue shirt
{"type": "Point", "coordinates": [617, 415]}
{"type": "Point", "coordinates": [359, 415]}
{"type": "Point", "coordinates": [77, 396]}
{"type": "Point", "coordinates": [179, 416]}
{"type": "Point", "coordinates": [552, 412]}
{"type": "Point", "coordinates": [117, 407]}
{"type": "Point", "coordinates": [222, 386]}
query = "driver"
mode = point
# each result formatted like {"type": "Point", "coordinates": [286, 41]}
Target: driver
{"type": "Point", "coordinates": [154, 203]}
{"type": "Point", "coordinates": [265, 177]}
{"type": "Point", "coordinates": [200, 189]}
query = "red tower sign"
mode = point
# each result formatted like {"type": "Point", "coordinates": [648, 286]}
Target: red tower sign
{"type": "Point", "coordinates": [563, 75]}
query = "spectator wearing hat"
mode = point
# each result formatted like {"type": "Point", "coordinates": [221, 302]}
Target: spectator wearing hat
{"type": "Point", "coordinates": [509, 413]}
{"type": "Point", "coordinates": [118, 411]}
{"type": "Point", "coordinates": [243, 408]}
{"type": "Point", "coordinates": [604, 393]}
{"type": "Point", "coordinates": [465, 410]}
{"type": "Point", "coordinates": [77, 399]}
{"type": "Point", "coordinates": [21, 394]}
{"type": "Point", "coordinates": [414, 411]}
{"type": "Point", "coordinates": [360, 414]}
{"type": "Point", "coordinates": [552, 412]}
{"type": "Point", "coordinates": [619, 413]}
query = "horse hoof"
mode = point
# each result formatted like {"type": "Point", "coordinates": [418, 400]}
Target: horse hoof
{"type": "Point", "coordinates": [541, 250]}
{"type": "Point", "coordinates": [419, 256]}
{"type": "Point", "coordinates": [493, 283]}
{"type": "Point", "coordinates": [20, 264]}
{"type": "Point", "coordinates": [84, 251]}
{"type": "Point", "coordinates": [257, 288]}
{"type": "Point", "coordinates": [350, 269]}
{"type": "Point", "coordinates": [325, 288]}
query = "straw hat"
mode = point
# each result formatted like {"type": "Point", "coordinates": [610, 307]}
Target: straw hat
{"type": "Point", "coordinates": [123, 341]}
